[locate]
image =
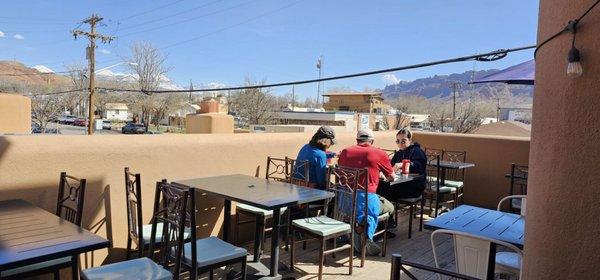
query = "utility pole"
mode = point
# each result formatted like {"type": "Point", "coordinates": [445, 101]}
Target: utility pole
{"type": "Point", "coordinates": [191, 90]}
{"type": "Point", "coordinates": [455, 86]}
{"type": "Point", "coordinates": [293, 97]}
{"type": "Point", "coordinates": [93, 20]}
{"type": "Point", "coordinates": [498, 109]}
{"type": "Point", "coordinates": [320, 67]}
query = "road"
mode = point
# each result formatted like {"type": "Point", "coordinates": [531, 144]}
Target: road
{"type": "Point", "coordinates": [78, 130]}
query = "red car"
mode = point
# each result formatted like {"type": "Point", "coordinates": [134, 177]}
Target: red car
{"type": "Point", "coordinates": [80, 122]}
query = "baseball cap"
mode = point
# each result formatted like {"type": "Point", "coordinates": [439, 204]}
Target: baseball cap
{"type": "Point", "coordinates": [365, 134]}
{"type": "Point", "coordinates": [326, 132]}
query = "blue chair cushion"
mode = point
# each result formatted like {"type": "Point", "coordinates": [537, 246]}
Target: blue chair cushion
{"type": "Point", "coordinates": [32, 267]}
{"type": "Point", "coordinates": [322, 225]}
{"type": "Point", "coordinates": [136, 269]}
{"type": "Point", "coordinates": [212, 250]}
{"type": "Point", "coordinates": [455, 184]}
{"type": "Point", "coordinates": [147, 232]}
{"type": "Point", "coordinates": [509, 259]}
{"type": "Point", "coordinates": [257, 211]}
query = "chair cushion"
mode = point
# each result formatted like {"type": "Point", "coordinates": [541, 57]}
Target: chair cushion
{"type": "Point", "coordinates": [258, 211]}
{"type": "Point", "coordinates": [147, 232]}
{"type": "Point", "coordinates": [36, 266]}
{"type": "Point", "coordinates": [443, 189]}
{"type": "Point", "coordinates": [321, 225]}
{"type": "Point", "coordinates": [383, 217]}
{"type": "Point", "coordinates": [509, 260]}
{"type": "Point", "coordinates": [137, 269]}
{"type": "Point", "coordinates": [455, 184]}
{"type": "Point", "coordinates": [212, 250]}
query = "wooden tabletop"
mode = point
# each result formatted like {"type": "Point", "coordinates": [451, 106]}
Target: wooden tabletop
{"type": "Point", "coordinates": [29, 234]}
{"type": "Point", "coordinates": [451, 164]}
{"type": "Point", "coordinates": [494, 224]}
{"type": "Point", "coordinates": [258, 192]}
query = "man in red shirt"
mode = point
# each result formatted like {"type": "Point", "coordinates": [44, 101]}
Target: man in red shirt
{"type": "Point", "coordinates": [364, 155]}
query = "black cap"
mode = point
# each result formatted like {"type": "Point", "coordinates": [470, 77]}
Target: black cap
{"type": "Point", "coordinates": [325, 132]}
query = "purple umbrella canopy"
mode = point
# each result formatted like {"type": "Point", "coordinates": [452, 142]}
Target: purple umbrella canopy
{"type": "Point", "coordinates": [520, 74]}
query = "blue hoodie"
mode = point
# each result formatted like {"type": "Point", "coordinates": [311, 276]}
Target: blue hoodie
{"type": "Point", "coordinates": [317, 165]}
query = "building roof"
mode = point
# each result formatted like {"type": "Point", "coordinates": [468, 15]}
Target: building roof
{"type": "Point", "coordinates": [352, 94]}
{"type": "Point", "coordinates": [505, 128]}
{"type": "Point", "coordinates": [116, 106]}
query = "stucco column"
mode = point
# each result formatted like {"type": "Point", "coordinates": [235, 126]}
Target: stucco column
{"type": "Point", "coordinates": [563, 210]}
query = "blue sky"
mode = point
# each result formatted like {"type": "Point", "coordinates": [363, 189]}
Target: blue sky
{"type": "Point", "coordinates": [223, 41]}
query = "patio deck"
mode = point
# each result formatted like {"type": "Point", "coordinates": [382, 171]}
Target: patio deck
{"type": "Point", "coordinates": [416, 249]}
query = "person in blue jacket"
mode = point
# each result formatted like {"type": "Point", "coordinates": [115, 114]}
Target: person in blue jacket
{"type": "Point", "coordinates": [316, 153]}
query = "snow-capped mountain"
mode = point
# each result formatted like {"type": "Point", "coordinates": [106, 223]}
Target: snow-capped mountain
{"type": "Point", "coordinates": [108, 75]}
{"type": "Point", "coordinates": [43, 69]}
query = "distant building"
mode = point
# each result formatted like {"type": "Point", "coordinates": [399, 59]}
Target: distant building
{"type": "Point", "coordinates": [361, 102]}
{"type": "Point", "coordinates": [344, 120]}
{"type": "Point", "coordinates": [419, 121]}
{"type": "Point", "coordinates": [116, 111]}
{"type": "Point", "coordinates": [488, 120]}
{"type": "Point", "coordinates": [521, 114]}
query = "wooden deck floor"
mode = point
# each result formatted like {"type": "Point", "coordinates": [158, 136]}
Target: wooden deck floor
{"type": "Point", "coordinates": [417, 249]}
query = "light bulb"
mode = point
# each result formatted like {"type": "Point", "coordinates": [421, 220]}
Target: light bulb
{"type": "Point", "coordinates": [574, 68]}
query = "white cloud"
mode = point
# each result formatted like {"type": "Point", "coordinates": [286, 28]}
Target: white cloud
{"type": "Point", "coordinates": [104, 51]}
{"type": "Point", "coordinates": [1, 34]}
{"type": "Point", "coordinates": [19, 37]}
{"type": "Point", "coordinates": [390, 79]}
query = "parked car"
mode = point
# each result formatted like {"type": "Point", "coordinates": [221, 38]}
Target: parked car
{"type": "Point", "coordinates": [80, 122]}
{"type": "Point", "coordinates": [133, 128]}
{"type": "Point", "coordinates": [106, 124]}
{"type": "Point", "coordinates": [67, 119]}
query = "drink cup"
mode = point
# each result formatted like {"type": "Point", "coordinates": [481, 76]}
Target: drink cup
{"type": "Point", "coordinates": [405, 166]}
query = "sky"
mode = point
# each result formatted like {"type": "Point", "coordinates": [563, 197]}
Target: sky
{"type": "Point", "coordinates": [224, 41]}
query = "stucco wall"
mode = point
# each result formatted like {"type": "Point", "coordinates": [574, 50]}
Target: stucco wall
{"type": "Point", "coordinates": [562, 226]}
{"type": "Point", "coordinates": [30, 166]}
{"type": "Point", "coordinates": [15, 114]}
{"type": "Point", "coordinates": [208, 123]}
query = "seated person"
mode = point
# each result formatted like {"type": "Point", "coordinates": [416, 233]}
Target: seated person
{"type": "Point", "coordinates": [418, 162]}
{"type": "Point", "coordinates": [364, 155]}
{"type": "Point", "coordinates": [315, 152]}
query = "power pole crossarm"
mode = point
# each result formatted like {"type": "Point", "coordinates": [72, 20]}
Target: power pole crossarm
{"type": "Point", "coordinates": [90, 54]}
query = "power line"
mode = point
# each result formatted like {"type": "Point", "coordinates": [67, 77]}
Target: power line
{"type": "Point", "coordinates": [34, 74]}
{"type": "Point", "coordinates": [490, 56]}
{"type": "Point", "coordinates": [56, 93]}
{"type": "Point", "coordinates": [150, 10]}
{"type": "Point", "coordinates": [172, 15]}
{"type": "Point", "coordinates": [184, 21]}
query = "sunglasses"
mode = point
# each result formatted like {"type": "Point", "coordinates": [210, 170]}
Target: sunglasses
{"type": "Point", "coordinates": [403, 141]}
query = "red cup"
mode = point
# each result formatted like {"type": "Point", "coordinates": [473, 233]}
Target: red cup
{"type": "Point", "coordinates": [405, 166]}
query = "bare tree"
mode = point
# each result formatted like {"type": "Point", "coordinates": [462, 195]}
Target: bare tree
{"type": "Point", "coordinates": [75, 102]}
{"type": "Point", "coordinates": [148, 64]}
{"type": "Point", "coordinates": [45, 108]}
{"type": "Point", "coordinates": [163, 105]}
{"type": "Point", "coordinates": [256, 105]}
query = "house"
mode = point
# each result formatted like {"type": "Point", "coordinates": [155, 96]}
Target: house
{"type": "Point", "coordinates": [116, 111]}
{"type": "Point", "coordinates": [361, 102]}
{"type": "Point", "coordinates": [419, 121]}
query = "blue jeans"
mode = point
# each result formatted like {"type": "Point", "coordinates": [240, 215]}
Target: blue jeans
{"type": "Point", "coordinates": [374, 208]}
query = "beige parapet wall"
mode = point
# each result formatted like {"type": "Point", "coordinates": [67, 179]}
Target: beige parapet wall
{"type": "Point", "coordinates": [15, 114]}
{"type": "Point", "coordinates": [30, 167]}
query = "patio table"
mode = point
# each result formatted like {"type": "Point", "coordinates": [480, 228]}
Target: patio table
{"type": "Point", "coordinates": [401, 179]}
{"type": "Point", "coordinates": [261, 193]}
{"type": "Point", "coordinates": [444, 165]}
{"type": "Point", "coordinates": [29, 235]}
{"type": "Point", "coordinates": [484, 222]}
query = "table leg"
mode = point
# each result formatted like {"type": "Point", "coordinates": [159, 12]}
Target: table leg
{"type": "Point", "coordinates": [492, 262]}
{"type": "Point", "coordinates": [227, 220]}
{"type": "Point", "coordinates": [275, 243]}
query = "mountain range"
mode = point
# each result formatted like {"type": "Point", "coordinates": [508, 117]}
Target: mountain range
{"type": "Point", "coordinates": [441, 86]}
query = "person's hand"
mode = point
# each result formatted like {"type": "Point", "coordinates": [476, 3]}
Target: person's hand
{"type": "Point", "coordinates": [397, 167]}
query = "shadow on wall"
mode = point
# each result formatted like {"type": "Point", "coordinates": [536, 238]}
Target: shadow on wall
{"type": "Point", "coordinates": [101, 207]}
